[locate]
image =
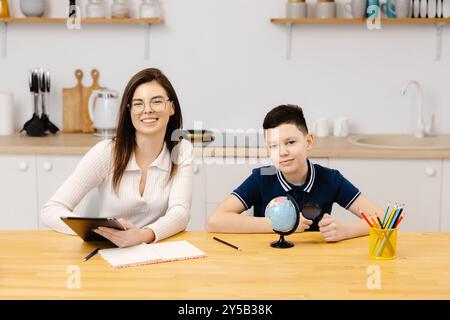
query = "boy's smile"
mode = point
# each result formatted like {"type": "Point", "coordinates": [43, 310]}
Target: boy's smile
{"type": "Point", "coordinates": [288, 149]}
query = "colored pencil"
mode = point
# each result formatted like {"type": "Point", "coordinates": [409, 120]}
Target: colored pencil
{"type": "Point", "coordinates": [365, 218]}
{"type": "Point", "coordinates": [385, 213]}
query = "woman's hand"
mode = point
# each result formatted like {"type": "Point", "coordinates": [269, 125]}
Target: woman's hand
{"type": "Point", "coordinates": [130, 237]}
{"type": "Point", "coordinates": [331, 230]}
{"type": "Point", "coordinates": [304, 224]}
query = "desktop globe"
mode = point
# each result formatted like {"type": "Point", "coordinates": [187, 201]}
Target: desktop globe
{"type": "Point", "coordinates": [283, 215]}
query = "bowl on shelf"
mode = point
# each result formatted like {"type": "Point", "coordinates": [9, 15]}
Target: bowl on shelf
{"type": "Point", "coordinates": [198, 136]}
{"type": "Point", "coordinates": [32, 8]}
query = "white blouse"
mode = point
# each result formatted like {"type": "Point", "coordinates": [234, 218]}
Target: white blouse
{"type": "Point", "coordinates": [164, 206]}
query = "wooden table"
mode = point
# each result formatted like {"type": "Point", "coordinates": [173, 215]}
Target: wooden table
{"type": "Point", "coordinates": [35, 265]}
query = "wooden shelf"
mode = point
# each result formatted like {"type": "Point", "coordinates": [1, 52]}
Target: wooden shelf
{"type": "Point", "coordinates": [439, 23]}
{"type": "Point", "coordinates": [358, 21]}
{"type": "Point", "coordinates": [4, 22]}
{"type": "Point", "coordinates": [84, 20]}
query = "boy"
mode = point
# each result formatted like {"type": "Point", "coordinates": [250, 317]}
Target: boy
{"type": "Point", "coordinates": [288, 142]}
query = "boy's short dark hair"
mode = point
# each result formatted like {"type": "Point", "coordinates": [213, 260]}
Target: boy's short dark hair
{"type": "Point", "coordinates": [287, 113]}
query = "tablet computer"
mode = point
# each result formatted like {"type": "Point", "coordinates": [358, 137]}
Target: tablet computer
{"type": "Point", "coordinates": [84, 226]}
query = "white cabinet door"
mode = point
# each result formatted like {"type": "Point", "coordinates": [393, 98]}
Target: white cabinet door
{"type": "Point", "coordinates": [415, 183]}
{"type": "Point", "coordinates": [18, 192]}
{"type": "Point", "coordinates": [197, 221]}
{"type": "Point", "coordinates": [445, 196]}
{"type": "Point", "coordinates": [52, 171]}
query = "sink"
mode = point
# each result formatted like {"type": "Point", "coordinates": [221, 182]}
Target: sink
{"type": "Point", "coordinates": [403, 142]}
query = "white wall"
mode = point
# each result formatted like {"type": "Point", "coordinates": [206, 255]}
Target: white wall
{"type": "Point", "coordinates": [227, 63]}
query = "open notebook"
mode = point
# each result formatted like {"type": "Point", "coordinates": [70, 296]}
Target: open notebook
{"type": "Point", "coordinates": [151, 253]}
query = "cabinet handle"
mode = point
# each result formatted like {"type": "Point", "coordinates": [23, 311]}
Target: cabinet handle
{"type": "Point", "coordinates": [47, 166]}
{"type": "Point", "coordinates": [430, 172]}
{"type": "Point", "coordinates": [196, 169]}
{"type": "Point", "coordinates": [23, 166]}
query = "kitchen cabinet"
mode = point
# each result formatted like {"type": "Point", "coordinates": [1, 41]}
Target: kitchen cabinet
{"type": "Point", "coordinates": [52, 171]}
{"type": "Point", "coordinates": [415, 183]}
{"type": "Point", "coordinates": [18, 192]}
{"type": "Point", "coordinates": [445, 197]}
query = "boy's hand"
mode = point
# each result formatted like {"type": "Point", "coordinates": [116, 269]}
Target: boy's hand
{"type": "Point", "coordinates": [304, 224]}
{"type": "Point", "coordinates": [330, 229]}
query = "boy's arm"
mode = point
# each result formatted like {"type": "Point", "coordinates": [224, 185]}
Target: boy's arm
{"type": "Point", "coordinates": [333, 231]}
{"type": "Point", "coordinates": [227, 218]}
{"type": "Point", "coordinates": [360, 227]}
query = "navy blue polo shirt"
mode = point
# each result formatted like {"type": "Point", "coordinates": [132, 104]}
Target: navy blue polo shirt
{"type": "Point", "coordinates": [322, 187]}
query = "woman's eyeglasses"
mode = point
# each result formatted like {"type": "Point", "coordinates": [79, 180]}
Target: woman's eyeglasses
{"type": "Point", "coordinates": [158, 104]}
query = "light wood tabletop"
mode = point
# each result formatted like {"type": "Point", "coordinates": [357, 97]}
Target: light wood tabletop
{"type": "Point", "coordinates": [43, 264]}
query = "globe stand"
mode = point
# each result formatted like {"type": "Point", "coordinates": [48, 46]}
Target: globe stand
{"type": "Point", "coordinates": [281, 243]}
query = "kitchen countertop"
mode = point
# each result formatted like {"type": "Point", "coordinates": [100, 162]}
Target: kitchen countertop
{"type": "Point", "coordinates": [79, 144]}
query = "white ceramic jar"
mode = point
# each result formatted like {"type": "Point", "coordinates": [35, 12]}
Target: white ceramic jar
{"type": "Point", "coordinates": [95, 9]}
{"type": "Point", "coordinates": [120, 9]}
{"type": "Point", "coordinates": [150, 9]}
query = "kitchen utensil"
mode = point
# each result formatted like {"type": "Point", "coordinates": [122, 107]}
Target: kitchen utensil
{"type": "Point", "coordinates": [150, 9]}
{"type": "Point", "coordinates": [321, 127]}
{"type": "Point", "coordinates": [120, 9]}
{"type": "Point", "coordinates": [87, 125]}
{"type": "Point", "coordinates": [103, 109]}
{"type": "Point", "coordinates": [446, 8]}
{"type": "Point", "coordinates": [325, 10]}
{"type": "Point", "coordinates": [6, 113]}
{"type": "Point", "coordinates": [423, 8]}
{"type": "Point", "coordinates": [416, 8]}
{"type": "Point", "coordinates": [403, 8]}
{"type": "Point", "coordinates": [32, 8]}
{"type": "Point", "coordinates": [356, 8]}
{"type": "Point", "coordinates": [201, 136]}
{"type": "Point", "coordinates": [4, 9]}
{"type": "Point", "coordinates": [340, 128]}
{"type": "Point", "coordinates": [34, 127]}
{"type": "Point", "coordinates": [373, 8]}
{"type": "Point", "coordinates": [431, 12]}
{"type": "Point", "coordinates": [95, 9]}
{"type": "Point", "coordinates": [388, 8]}
{"type": "Point", "coordinates": [296, 9]}
{"type": "Point", "coordinates": [45, 90]}
{"type": "Point", "coordinates": [72, 104]}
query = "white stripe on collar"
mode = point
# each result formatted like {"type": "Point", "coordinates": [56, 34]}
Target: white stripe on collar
{"type": "Point", "coordinates": [283, 183]}
{"type": "Point", "coordinates": [312, 175]}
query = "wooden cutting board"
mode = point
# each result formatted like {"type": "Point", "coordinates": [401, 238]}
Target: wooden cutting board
{"type": "Point", "coordinates": [75, 104]}
{"type": "Point", "coordinates": [72, 99]}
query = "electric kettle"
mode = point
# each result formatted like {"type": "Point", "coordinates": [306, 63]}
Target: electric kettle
{"type": "Point", "coordinates": [103, 110]}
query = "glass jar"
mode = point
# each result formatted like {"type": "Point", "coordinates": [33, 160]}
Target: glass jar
{"type": "Point", "coordinates": [95, 9]}
{"type": "Point", "coordinates": [120, 9]}
{"type": "Point", "coordinates": [4, 9]}
{"type": "Point", "coordinates": [150, 9]}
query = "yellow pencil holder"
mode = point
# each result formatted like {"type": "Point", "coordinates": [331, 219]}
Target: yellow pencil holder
{"type": "Point", "coordinates": [383, 243]}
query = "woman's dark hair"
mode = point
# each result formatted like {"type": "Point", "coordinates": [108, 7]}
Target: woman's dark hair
{"type": "Point", "coordinates": [288, 113]}
{"type": "Point", "coordinates": [125, 139]}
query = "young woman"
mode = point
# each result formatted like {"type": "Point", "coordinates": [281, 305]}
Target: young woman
{"type": "Point", "coordinates": [144, 175]}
